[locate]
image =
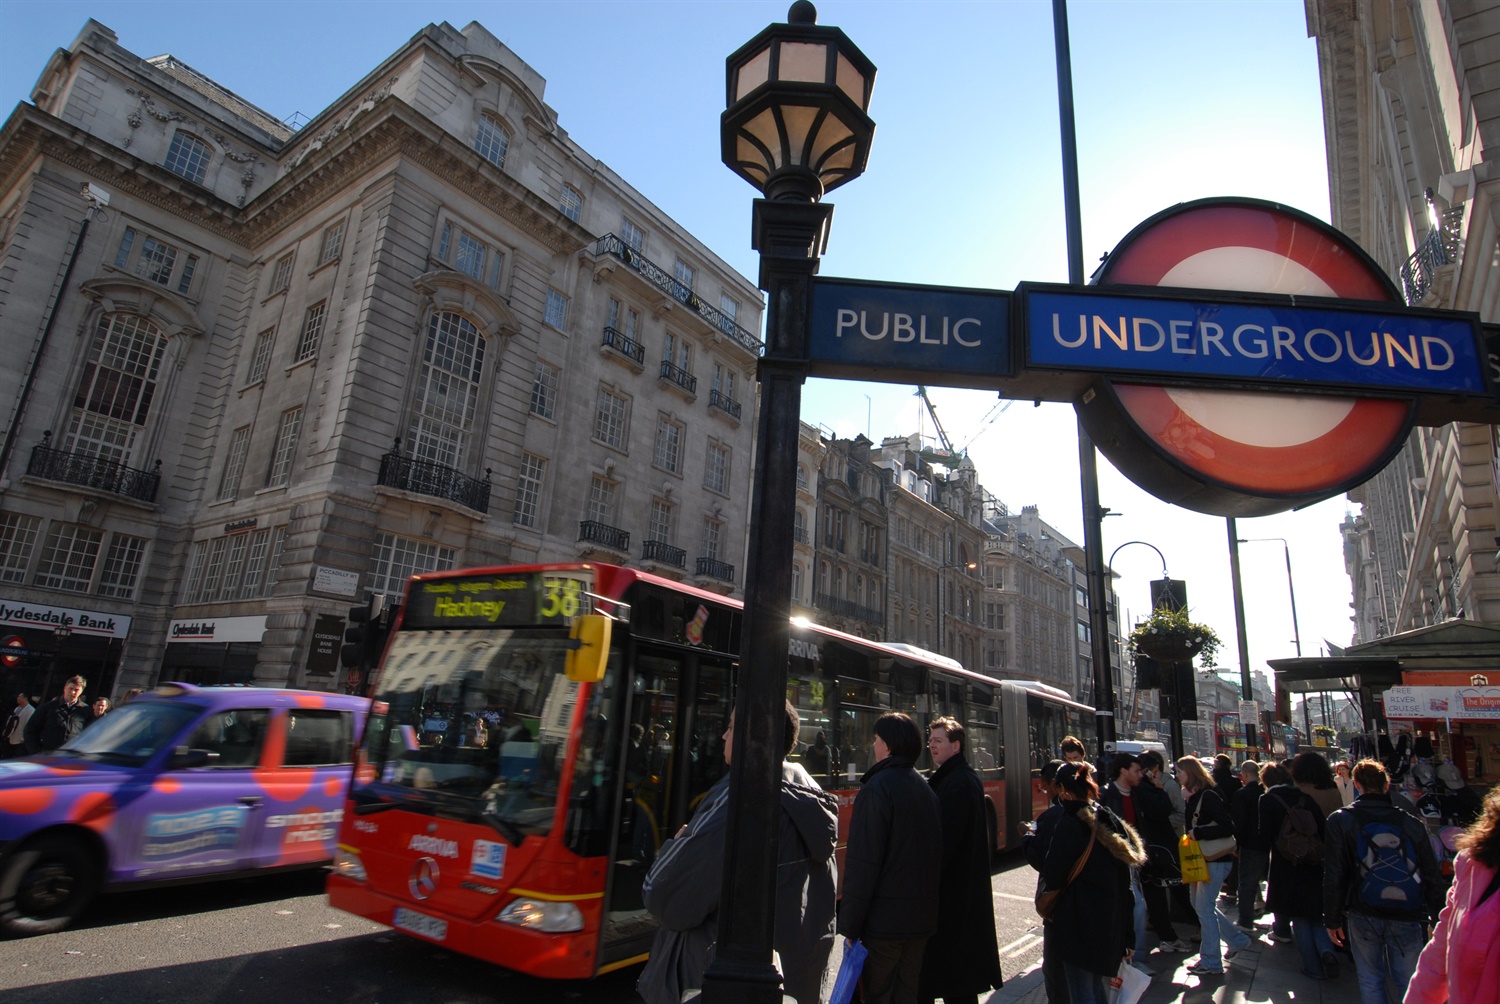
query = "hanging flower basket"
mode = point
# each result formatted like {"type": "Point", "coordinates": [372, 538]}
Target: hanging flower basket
{"type": "Point", "coordinates": [1169, 636]}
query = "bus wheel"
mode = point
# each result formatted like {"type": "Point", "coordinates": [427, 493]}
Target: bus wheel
{"type": "Point", "coordinates": [45, 886]}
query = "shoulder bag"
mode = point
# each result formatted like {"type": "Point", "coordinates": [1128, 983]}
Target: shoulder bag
{"type": "Point", "coordinates": [1046, 899]}
{"type": "Point", "coordinates": [1218, 847]}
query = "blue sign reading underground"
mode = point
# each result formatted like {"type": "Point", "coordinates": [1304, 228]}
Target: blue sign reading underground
{"type": "Point", "coordinates": [1364, 349]}
{"type": "Point", "coordinates": [920, 330]}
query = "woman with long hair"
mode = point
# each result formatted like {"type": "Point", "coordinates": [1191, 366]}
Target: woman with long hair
{"type": "Point", "coordinates": [1087, 856]}
{"type": "Point", "coordinates": [1461, 964]}
{"type": "Point", "coordinates": [1311, 773]}
{"type": "Point", "coordinates": [1208, 819]}
{"type": "Point", "coordinates": [1344, 781]}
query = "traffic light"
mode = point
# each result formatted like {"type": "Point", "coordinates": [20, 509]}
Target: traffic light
{"type": "Point", "coordinates": [364, 639]}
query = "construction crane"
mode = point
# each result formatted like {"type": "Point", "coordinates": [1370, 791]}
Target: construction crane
{"type": "Point", "coordinates": [949, 456]}
{"type": "Point", "coordinates": [986, 421]}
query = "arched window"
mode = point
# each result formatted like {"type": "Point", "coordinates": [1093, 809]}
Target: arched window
{"type": "Point", "coordinates": [188, 156]}
{"type": "Point", "coordinates": [796, 583]}
{"type": "Point", "coordinates": [447, 390]}
{"type": "Point", "coordinates": [119, 384]}
{"type": "Point", "coordinates": [492, 140]}
{"type": "Point", "coordinates": [799, 527]}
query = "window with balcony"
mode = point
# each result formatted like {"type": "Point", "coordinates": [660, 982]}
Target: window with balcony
{"type": "Point", "coordinates": [602, 498]}
{"type": "Point", "coordinates": [188, 156]}
{"type": "Point", "coordinates": [447, 392]}
{"type": "Point", "coordinates": [713, 533]}
{"type": "Point", "coordinates": [492, 140]}
{"type": "Point", "coordinates": [659, 522]}
{"type": "Point", "coordinates": [114, 398]}
{"type": "Point", "coordinates": [633, 236]}
{"type": "Point", "coordinates": [684, 273]}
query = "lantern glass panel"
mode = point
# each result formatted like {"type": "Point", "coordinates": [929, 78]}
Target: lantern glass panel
{"type": "Point", "coordinates": [752, 73]}
{"type": "Point", "coordinates": [803, 61]}
{"type": "Point", "coordinates": [851, 82]}
{"type": "Point", "coordinates": [762, 128]}
{"type": "Point", "coordinates": [799, 122]}
{"type": "Point", "coordinates": [832, 132]}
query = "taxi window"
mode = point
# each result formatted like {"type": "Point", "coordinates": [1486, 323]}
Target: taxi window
{"type": "Point", "coordinates": [234, 736]}
{"type": "Point", "coordinates": [316, 738]}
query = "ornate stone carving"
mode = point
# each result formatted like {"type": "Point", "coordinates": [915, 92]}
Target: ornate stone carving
{"type": "Point", "coordinates": [144, 102]}
{"type": "Point", "coordinates": [322, 139]}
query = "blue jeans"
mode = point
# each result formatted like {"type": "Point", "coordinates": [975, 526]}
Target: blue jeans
{"type": "Point", "coordinates": [1385, 955]}
{"type": "Point", "coordinates": [1312, 941]}
{"type": "Point", "coordinates": [1085, 987]}
{"type": "Point", "coordinates": [1212, 920]}
{"type": "Point", "coordinates": [1253, 864]}
{"type": "Point", "coordinates": [1138, 914]}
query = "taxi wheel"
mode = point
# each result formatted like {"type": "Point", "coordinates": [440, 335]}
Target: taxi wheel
{"type": "Point", "coordinates": [45, 886]}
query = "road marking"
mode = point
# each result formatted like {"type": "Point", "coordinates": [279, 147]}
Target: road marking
{"type": "Point", "coordinates": [1020, 946]}
{"type": "Point", "coordinates": [1011, 895]}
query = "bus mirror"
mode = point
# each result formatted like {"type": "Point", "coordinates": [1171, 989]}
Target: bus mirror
{"type": "Point", "coordinates": [588, 649]}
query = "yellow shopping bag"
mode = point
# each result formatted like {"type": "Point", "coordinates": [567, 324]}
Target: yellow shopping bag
{"type": "Point", "coordinates": [1194, 866]}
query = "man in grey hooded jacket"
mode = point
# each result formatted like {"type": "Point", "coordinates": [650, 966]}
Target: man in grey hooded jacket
{"type": "Point", "coordinates": [682, 888]}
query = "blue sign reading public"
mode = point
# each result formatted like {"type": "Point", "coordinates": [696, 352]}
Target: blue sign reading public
{"type": "Point", "coordinates": [1371, 348]}
{"type": "Point", "coordinates": [936, 334]}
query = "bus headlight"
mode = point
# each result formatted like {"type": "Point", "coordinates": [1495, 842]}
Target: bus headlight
{"type": "Point", "coordinates": [539, 915]}
{"type": "Point", "coordinates": [346, 862]}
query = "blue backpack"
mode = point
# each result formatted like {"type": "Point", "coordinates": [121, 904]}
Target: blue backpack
{"type": "Point", "coordinates": [1390, 879]}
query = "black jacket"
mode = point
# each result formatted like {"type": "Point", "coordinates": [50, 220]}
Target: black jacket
{"type": "Point", "coordinates": [1094, 911]}
{"type": "Point", "coordinates": [1244, 810]}
{"type": "Point", "coordinates": [963, 957]}
{"type": "Point", "coordinates": [1208, 816]}
{"type": "Point", "coordinates": [893, 857]}
{"type": "Point", "coordinates": [1153, 822]}
{"type": "Point", "coordinates": [1341, 871]}
{"type": "Point", "coordinates": [54, 723]}
{"type": "Point", "coordinates": [1292, 890]}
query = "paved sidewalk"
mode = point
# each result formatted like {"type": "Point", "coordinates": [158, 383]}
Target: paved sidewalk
{"type": "Point", "coordinates": [1265, 971]}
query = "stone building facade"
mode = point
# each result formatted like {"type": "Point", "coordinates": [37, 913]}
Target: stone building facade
{"type": "Point", "coordinates": [1411, 106]}
{"type": "Point", "coordinates": [283, 369]}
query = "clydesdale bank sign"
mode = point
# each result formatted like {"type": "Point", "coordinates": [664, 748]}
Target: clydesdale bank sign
{"type": "Point", "coordinates": [1231, 356]}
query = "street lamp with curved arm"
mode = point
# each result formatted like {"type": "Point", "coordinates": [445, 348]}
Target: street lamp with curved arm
{"type": "Point", "coordinates": [1291, 592]}
{"type": "Point", "coordinates": [1111, 562]}
{"type": "Point", "coordinates": [943, 600]}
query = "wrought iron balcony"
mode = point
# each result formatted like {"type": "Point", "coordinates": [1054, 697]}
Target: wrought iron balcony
{"type": "Point", "coordinates": [713, 568]}
{"type": "Point", "coordinates": [437, 480]}
{"type": "Point", "coordinates": [848, 608]}
{"type": "Point", "coordinates": [608, 536]}
{"type": "Point", "coordinates": [624, 344]}
{"type": "Point", "coordinates": [678, 290]}
{"type": "Point", "coordinates": [660, 550]}
{"type": "Point", "coordinates": [718, 399]}
{"type": "Point", "coordinates": [93, 472]}
{"type": "Point", "coordinates": [1439, 248]}
{"type": "Point", "coordinates": [679, 376]}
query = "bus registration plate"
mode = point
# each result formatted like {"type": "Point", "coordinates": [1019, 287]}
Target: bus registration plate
{"type": "Point", "coordinates": [419, 923]}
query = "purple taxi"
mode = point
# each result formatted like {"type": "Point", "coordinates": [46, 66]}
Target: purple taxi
{"type": "Point", "coordinates": [181, 784]}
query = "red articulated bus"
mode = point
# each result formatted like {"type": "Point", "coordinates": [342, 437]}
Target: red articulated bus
{"type": "Point", "coordinates": [537, 731]}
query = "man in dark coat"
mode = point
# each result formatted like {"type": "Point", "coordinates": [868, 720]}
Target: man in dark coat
{"type": "Point", "coordinates": [891, 865]}
{"type": "Point", "coordinates": [963, 959]}
{"type": "Point", "coordinates": [1254, 846]}
{"type": "Point", "coordinates": [59, 720]}
{"type": "Point", "coordinates": [682, 888]}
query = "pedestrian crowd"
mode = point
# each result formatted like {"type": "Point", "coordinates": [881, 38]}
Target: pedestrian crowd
{"type": "Point", "coordinates": [916, 892]}
{"type": "Point", "coordinates": [40, 728]}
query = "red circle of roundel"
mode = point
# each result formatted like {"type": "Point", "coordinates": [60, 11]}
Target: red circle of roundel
{"type": "Point", "coordinates": [11, 641]}
{"type": "Point", "coordinates": [1245, 440]}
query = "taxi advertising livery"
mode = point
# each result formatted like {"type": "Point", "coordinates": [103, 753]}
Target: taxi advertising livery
{"type": "Point", "coordinates": [180, 784]}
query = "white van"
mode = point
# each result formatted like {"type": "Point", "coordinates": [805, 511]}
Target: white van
{"type": "Point", "coordinates": [1138, 747]}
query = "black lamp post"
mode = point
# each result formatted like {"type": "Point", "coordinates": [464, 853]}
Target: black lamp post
{"type": "Point", "coordinates": [795, 127]}
{"type": "Point", "coordinates": [967, 566]}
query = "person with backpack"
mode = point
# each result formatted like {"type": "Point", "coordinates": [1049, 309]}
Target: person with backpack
{"type": "Point", "coordinates": [1381, 885]}
{"type": "Point", "coordinates": [1294, 829]}
{"type": "Point", "coordinates": [1461, 964]}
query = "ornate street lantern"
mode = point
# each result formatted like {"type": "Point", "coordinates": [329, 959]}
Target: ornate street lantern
{"type": "Point", "coordinates": [797, 122]}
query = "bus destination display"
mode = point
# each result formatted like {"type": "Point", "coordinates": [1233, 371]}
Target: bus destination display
{"type": "Point", "coordinates": [511, 599]}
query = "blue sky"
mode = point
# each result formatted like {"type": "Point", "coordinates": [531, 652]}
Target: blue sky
{"type": "Point", "coordinates": [1174, 101]}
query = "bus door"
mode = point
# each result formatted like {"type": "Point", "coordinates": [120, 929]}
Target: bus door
{"type": "Point", "coordinates": [679, 708]}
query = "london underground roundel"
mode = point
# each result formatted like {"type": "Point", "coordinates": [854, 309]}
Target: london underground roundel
{"type": "Point", "coordinates": [1228, 452]}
